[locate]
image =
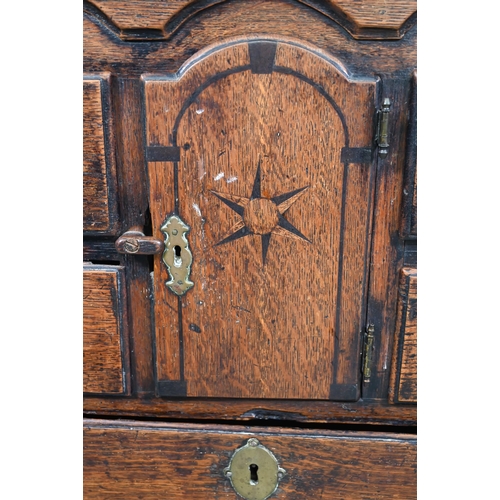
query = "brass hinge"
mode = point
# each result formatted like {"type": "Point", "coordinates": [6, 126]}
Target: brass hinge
{"type": "Point", "coordinates": [368, 352]}
{"type": "Point", "coordinates": [381, 138]}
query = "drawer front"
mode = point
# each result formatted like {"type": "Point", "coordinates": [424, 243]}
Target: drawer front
{"type": "Point", "coordinates": [105, 345]}
{"type": "Point", "coordinates": [403, 387]}
{"type": "Point", "coordinates": [171, 461]}
{"type": "Point", "coordinates": [99, 173]}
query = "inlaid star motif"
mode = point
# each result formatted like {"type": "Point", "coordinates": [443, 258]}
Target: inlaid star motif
{"type": "Point", "coordinates": [262, 216]}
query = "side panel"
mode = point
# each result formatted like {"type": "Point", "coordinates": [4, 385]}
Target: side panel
{"type": "Point", "coordinates": [100, 215]}
{"type": "Point", "coordinates": [105, 343]}
{"type": "Point", "coordinates": [403, 384]}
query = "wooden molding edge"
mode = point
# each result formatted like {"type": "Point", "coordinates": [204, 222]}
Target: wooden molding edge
{"type": "Point", "coordinates": [159, 21]}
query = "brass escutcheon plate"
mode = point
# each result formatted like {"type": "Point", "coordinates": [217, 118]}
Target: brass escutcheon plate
{"type": "Point", "coordinates": [254, 471]}
{"type": "Point", "coordinates": [177, 255]}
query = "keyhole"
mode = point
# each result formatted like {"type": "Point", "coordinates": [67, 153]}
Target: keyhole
{"type": "Point", "coordinates": [254, 478]}
{"type": "Point", "coordinates": [177, 257]}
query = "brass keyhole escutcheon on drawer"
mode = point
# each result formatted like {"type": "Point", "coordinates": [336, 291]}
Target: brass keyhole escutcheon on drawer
{"type": "Point", "coordinates": [254, 471]}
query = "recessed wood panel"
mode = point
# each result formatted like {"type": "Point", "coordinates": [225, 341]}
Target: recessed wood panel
{"type": "Point", "coordinates": [105, 345]}
{"type": "Point", "coordinates": [403, 384]}
{"type": "Point", "coordinates": [157, 19]}
{"type": "Point", "coordinates": [254, 139]}
{"type": "Point", "coordinates": [376, 14]}
{"type": "Point", "coordinates": [150, 461]}
{"type": "Point", "coordinates": [99, 173]}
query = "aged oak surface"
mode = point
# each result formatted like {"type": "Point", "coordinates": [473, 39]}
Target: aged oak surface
{"type": "Point", "coordinates": [403, 386]}
{"type": "Point", "coordinates": [316, 26]}
{"type": "Point", "coordinates": [387, 247]}
{"type": "Point", "coordinates": [150, 461]}
{"type": "Point", "coordinates": [149, 19]}
{"type": "Point", "coordinates": [279, 221]}
{"type": "Point", "coordinates": [409, 214]}
{"type": "Point", "coordinates": [377, 14]}
{"type": "Point", "coordinates": [99, 172]}
{"type": "Point", "coordinates": [134, 209]}
{"type": "Point", "coordinates": [104, 51]}
{"type": "Point", "coordinates": [376, 412]}
{"type": "Point", "coordinates": [105, 345]}
{"type": "Point", "coordinates": [253, 121]}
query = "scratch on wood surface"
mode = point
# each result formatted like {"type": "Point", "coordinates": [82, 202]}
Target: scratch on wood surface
{"type": "Point", "coordinates": [197, 209]}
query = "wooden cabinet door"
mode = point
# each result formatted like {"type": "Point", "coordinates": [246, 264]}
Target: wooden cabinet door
{"type": "Point", "coordinates": [263, 149]}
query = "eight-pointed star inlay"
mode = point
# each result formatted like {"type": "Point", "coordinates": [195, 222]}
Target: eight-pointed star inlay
{"type": "Point", "coordinates": [262, 216]}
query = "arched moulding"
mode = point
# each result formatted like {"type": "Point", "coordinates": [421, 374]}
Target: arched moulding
{"type": "Point", "coordinates": [159, 20]}
{"type": "Point", "coordinates": [220, 46]}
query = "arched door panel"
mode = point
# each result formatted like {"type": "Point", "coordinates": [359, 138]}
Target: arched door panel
{"type": "Point", "coordinates": [263, 150]}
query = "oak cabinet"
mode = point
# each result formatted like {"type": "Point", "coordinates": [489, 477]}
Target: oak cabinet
{"type": "Point", "coordinates": [249, 246]}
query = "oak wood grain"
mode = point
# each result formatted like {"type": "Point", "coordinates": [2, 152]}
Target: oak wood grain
{"type": "Point", "coordinates": [150, 461]}
{"type": "Point", "coordinates": [144, 14]}
{"type": "Point", "coordinates": [403, 382]}
{"type": "Point", "coordinates": [387, 251]}
{"type": "Point", "coordinates": [167, 329]}
{"type": "Point", "coordinates": [269, 313]}
{"type": "Point", "coordinates": [375, 412]}
{"type": "Point", "coordinates": [99, 171]}
{"type": "Point", "coordinates": [376, 14]}
{"type": "Point", "coordinates": [134, 213]}
{"type": "Point", "coordinates": [97, 249]}
{"type": "Point", "coordinates": [105, 345]}
{"type": "Point", "coordinates": [409, 209]}
{"type": "Point", "coordinates": [157, 19]}
{"type": "Point", "coordinates": [105, 51]}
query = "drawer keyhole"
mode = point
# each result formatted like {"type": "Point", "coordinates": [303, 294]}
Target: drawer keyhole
{"type": "Point", "coordinates": [254, 478]}
{"type": "Point", "coordinates": [177, 257]}
{"type": "Point", "coordinates": [244, 464]}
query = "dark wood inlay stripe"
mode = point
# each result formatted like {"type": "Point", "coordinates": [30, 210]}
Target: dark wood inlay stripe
{"type": "Point", "coordinates": [163, 153]}
{"type": "Point", "coordinates": [262, 56]}
{"type": "Point", "coordinates": [172, 388]}
{"type": "Point", "coordinates": [356, 155]}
